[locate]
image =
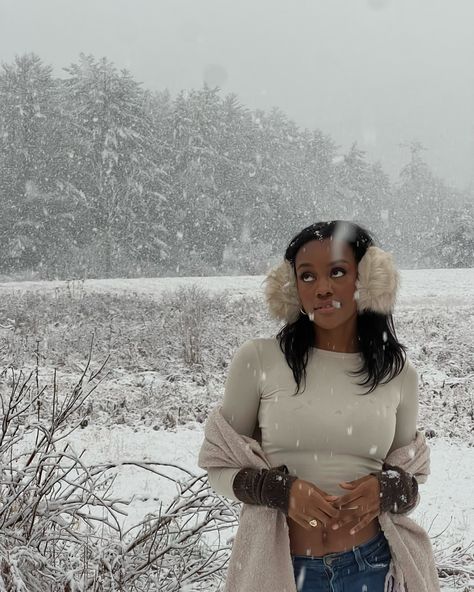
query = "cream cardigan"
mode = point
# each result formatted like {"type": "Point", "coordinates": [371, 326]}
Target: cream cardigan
{"type": "Point", "coordinates": [260, 559]}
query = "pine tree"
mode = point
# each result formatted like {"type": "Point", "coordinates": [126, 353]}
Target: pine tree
{"type": "Point", "coordinates": [113, 167]}
{"type": "Point", "coordinates": [235, 177]}
{"type": "Point", "coordinates": [420, 206]}
{"type": "Point", "coordinates": [353, 182]}
{"type": "Point", "coordinates": [197, 213]}
{"type": "Point", "coordinates": [380, 199]}
{"type": "Point", "coordinates": [31, 159]}
{"type": "Point", "coordinates": [278, 196]}
{"type": "Point", "coordinates": [453, 246]}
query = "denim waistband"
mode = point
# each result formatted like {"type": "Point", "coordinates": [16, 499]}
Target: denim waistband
{"type": "Point", "coordinates": [345, 557]}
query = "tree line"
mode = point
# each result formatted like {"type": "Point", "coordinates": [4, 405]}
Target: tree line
{"type": "Point", "coordinates": [100, 177]}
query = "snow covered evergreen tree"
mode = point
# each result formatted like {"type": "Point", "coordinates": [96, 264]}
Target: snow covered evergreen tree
{"type": "Point", "coordinates": [30, 160]}
{"type": "Point", "coordinates": [420, 207]}
{"type": "Point", "coordinates": [354, 178]}
{"type": "Point", "coordinates": [114, 167]}
{"type": "Point", "coordinates": [201, 202]}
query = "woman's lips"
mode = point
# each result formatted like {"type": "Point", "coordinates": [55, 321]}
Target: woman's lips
{"type": "Point", "coordinates": [326, 310]}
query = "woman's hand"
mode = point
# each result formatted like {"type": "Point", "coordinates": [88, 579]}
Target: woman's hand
{"type": "Point", "coordinates": [361, 505]}
{"type": "Point", "coordinates": [307, 501]}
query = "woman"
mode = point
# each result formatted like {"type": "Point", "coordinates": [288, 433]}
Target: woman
{"type": "Point", "coordinates": [327, 442]}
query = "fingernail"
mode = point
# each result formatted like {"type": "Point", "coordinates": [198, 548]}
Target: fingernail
{"type": "Point", "coordinates": [335, 526]}
{"type": "Point", "coordinates": [352, 531]}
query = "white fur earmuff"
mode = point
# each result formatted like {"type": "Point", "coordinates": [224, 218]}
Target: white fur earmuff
{"type": "Point", "coordinates": [376, 286]}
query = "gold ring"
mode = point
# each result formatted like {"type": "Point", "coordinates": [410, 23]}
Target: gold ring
{"type": "Point", "coordinates": [313, 522]}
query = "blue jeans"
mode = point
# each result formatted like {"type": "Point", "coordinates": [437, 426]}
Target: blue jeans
{"type": "Point", "coordinates": [363, 569]}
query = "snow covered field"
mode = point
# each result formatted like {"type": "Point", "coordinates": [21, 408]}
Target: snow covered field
{"type": "Point", "coordinates": [140, 413]}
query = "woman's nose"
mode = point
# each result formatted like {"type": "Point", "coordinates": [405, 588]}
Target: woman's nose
{"type": "Point", "coordinates": [323, 287]}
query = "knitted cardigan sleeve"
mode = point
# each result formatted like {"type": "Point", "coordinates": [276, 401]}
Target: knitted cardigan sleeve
{"type": "Point", "coordinates": [268, 487]}
{"type": "Point", "coordinates": [398, 489]}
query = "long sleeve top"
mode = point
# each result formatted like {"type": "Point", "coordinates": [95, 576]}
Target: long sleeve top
{"type": "Point", "coordinates": [330, 432]}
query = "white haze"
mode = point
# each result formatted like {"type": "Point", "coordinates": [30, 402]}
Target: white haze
{"type": "Point", "coordinates": [379, 72]}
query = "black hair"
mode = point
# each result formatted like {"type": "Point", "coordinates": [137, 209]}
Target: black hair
{"type": "Point", "coordinates": [382, 353]}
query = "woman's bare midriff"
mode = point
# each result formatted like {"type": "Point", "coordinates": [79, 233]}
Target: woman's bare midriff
{"type": "Point", "coordinates": [320, 541]}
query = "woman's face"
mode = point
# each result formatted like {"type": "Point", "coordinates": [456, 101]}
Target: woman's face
{"type": "Point", "coordinates": [327, 270]}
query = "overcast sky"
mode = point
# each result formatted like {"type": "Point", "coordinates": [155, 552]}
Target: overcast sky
{"type": "Point", "coordinates": [379, 72]}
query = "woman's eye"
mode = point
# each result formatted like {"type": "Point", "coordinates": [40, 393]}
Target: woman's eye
{"type": "Point", "coordinates": [306, 273]}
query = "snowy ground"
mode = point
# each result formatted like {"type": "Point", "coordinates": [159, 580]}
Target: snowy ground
{"type": "Point", "coordinates": [420, 287]}
{"type": "Point", "coordinates": [434, 318]}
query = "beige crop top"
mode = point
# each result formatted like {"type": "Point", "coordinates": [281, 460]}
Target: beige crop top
{"type": "Point", "coordinates": [326, 434]}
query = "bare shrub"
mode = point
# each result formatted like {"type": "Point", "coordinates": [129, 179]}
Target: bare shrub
{"type": "Point", "coordinates": [188, 318]}
{"type": "Point", "coordinates": [60, 527]}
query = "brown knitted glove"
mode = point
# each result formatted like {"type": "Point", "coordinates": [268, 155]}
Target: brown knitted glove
{"type": "Point", "coordinates": [267, 487]}
{"type": "Point", "coordinates": [398, 489]}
